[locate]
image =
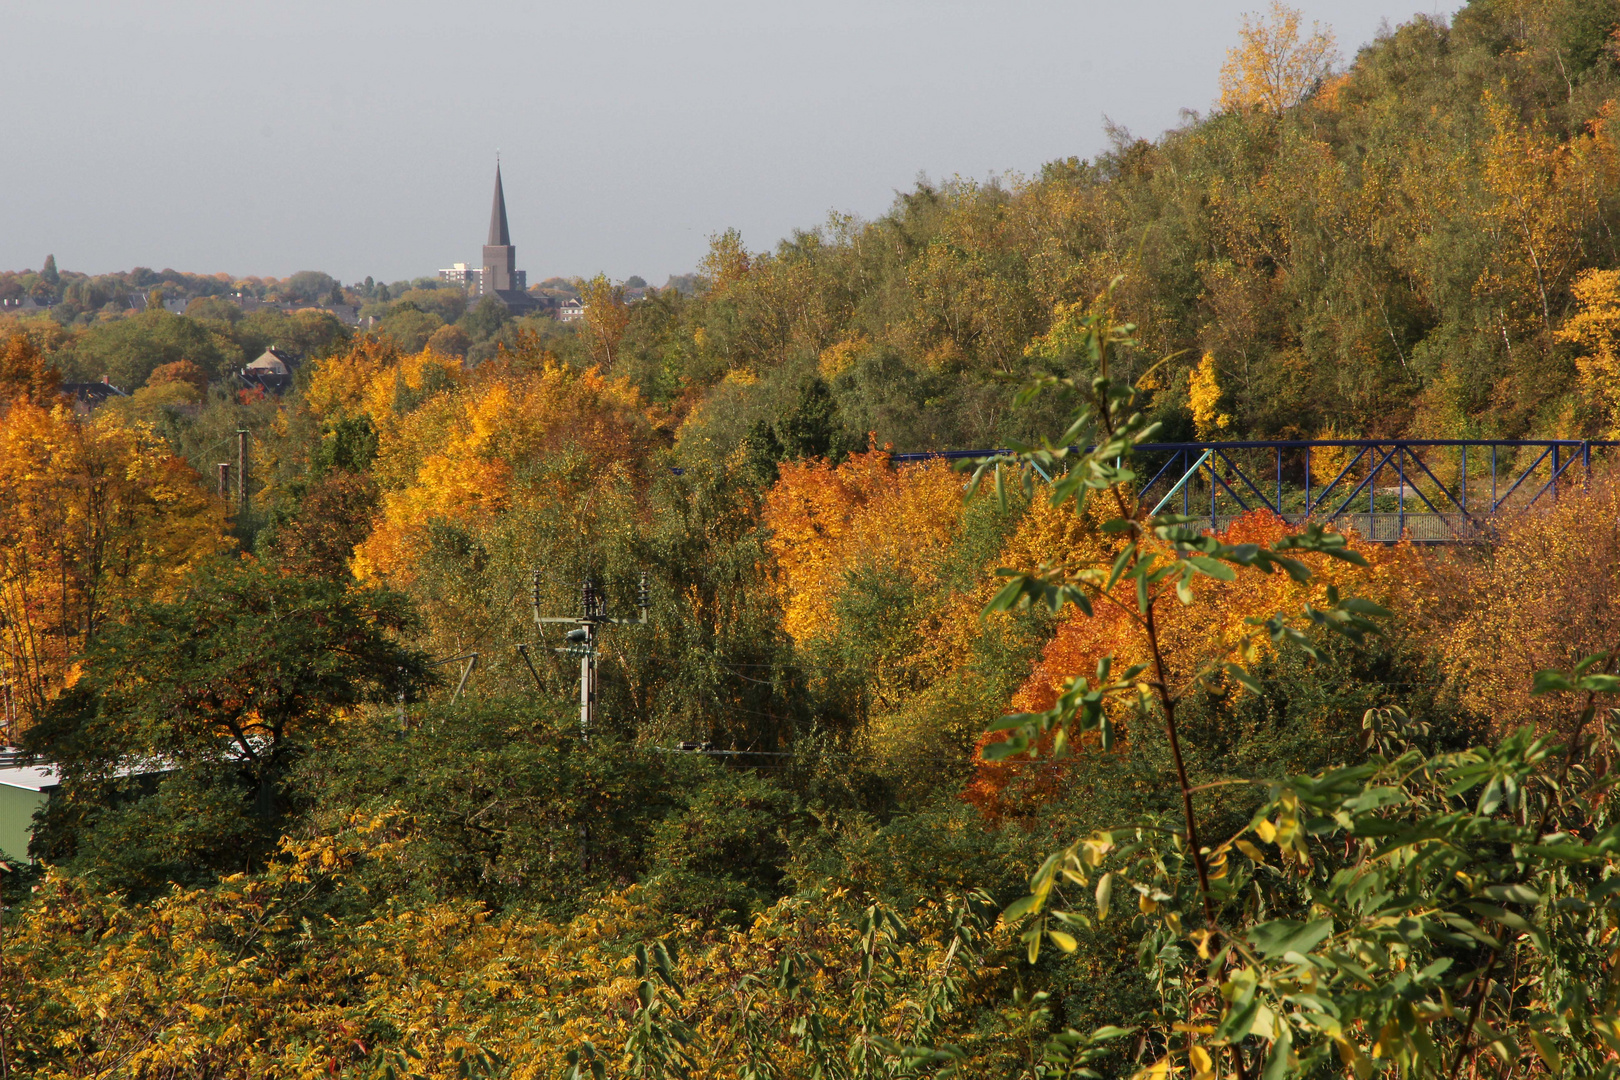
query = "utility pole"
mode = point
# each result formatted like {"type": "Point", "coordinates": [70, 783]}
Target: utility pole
{"type": "Point", "coordinates": [224, 480]}
{"type": "Point", "coordinates": [593, 615]}
{"type": "Point", "coordinates": [241, 472]}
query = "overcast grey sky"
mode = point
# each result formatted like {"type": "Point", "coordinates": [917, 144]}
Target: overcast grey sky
{"type": "Point", "coordinates": [359, 137]}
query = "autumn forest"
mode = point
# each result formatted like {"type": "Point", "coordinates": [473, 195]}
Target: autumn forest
{"type": "Point", "coordinates": [895, 768]}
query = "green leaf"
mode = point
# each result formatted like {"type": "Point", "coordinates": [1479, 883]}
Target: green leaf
{"type": "Point", "coordinates": [1517, 894]}
{"type": "Point", "coordinates": [1008, 596]}
{"type": "Point", "coordinates": [1546, 682]}
{"type": "Point", "coordinates": [1019, 908]}
{"type": "Point", "coordinates": [1280, 936]}
{"type": "Point", "coordinates": [1001, 751]}
{"type": "Point", "coordinates": [1244, 679]}
{"type": "Point", "coordinates": [1548, 1051]}
{"type": "Point", "coordinates": [1214, 568]}
{"type": "Point", "coordinates": [1121, 561]}
{"type": "Point", "coordinates": [1014, 720]}
{"type": "Point", "coordinates": [1277, 1060]}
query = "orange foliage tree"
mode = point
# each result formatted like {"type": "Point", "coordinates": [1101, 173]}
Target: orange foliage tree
{"type": "Point", "coordinates": [824, 520]}
{"type": "Point", "coordinates": [24, 372]}
{"type": "Point", "coordinates": [93, 513]}
{"type": "Point", "coordinates": [1191, 635]}
{"type": "Point", "coordinates": [461, 455]}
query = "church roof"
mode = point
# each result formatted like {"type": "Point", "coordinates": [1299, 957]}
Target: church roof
{"type": "Point", "coordinates": [498, 234]}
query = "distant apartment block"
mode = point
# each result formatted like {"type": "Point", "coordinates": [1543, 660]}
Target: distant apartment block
{"type": "Point", "coordinates": [468, 277]}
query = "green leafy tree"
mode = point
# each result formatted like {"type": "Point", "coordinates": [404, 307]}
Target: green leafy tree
{"type": "Point", "coordinates": [485, 320]}
{"type": "Point", "coordinates": [175, 745]}
{"type": "Point", "coordinates": [128, 350]}
{"type": "Point", "coordinates": [410, 328]}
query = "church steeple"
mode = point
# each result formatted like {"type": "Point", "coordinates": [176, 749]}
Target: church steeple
{"type": "Point", "coordinates": [500, 257]}
{"type": "Point", "coordinates": [498, 234]}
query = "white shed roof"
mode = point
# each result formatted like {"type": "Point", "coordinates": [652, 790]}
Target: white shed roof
{"type": "Point", "coordinates": [30, 777]}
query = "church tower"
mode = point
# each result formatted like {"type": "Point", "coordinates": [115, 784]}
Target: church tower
{"type": "Point", "coordinates": [500, 257]}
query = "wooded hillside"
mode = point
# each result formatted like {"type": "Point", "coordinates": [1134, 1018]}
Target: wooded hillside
{"type": "Point", "coordinates": [895, 770]}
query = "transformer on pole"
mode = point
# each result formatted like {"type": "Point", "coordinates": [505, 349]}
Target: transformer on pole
{"type": "Point", "coordinates": [593, 615]}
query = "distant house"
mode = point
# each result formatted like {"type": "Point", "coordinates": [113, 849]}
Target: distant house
{"type": "Point", "coordinates": [173, 302]}
{"type": "Point", "coordinates": [87, 396]}
{"type": "Point", "coordinates": [272, 370]}
{"type": "Point", "coordinates": [571, 310]}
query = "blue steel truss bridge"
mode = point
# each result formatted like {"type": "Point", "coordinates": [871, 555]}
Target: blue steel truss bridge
{"type": "Point", "coordinates": [1433, 491]}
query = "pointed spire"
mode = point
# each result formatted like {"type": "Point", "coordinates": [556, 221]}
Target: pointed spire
{"type": "Point", "coordinates": [498, 234]}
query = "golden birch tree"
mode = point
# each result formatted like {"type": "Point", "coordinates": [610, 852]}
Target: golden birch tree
{"type": "Point", "coordinates": [1272, 67]}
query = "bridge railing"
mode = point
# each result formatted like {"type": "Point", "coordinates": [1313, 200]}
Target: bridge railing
{"type": "Point", "coordinates": [1421, 490]}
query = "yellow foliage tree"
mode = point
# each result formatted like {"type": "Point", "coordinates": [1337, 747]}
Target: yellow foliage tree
{"type": "Point", "coordinates": [93, 513]}
{"type": "Point", "coordinates": [1539, 195]}
{"type": "Point", "coordinates": [1547, 598]}
{"type": "Point", "coordinates": [1271, 67]}
{"type": "Point", "coordinates": [606, 316]}
{"type": "Point", "coordinates": [457, 456]}
{"type": "Point", "coordinates": [727, 262]}
{"type": "Point", "coordinates": [841, 355]}
{"type": "Point", "coordinates": [341, 385]}
{"type": "Point", "coordinates": [24, 373]}
{"type": "Point", "coordinates": [1204, 397]}
{"type": "Point", "coordinates": [1595, 330]}
{"type": "Point", "coordinates": [1191, 635]}
{"type": "Point", "coordinates": [254, 979]}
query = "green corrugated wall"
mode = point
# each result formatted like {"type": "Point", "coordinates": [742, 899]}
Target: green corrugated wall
{"type": "Point", "coordinates": [17, 806]}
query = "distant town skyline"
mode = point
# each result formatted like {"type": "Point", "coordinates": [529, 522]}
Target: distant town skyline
{"type": "Point", "coordinates": [359, 140]}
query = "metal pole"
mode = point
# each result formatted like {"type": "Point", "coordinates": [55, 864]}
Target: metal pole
{"type": "Point", "coordinates": [1400, 493]}
{"type": "Point", "coordinates": [523, 651]}
{"type": "Point", "coordinates": [1186, 491]}
{"type": "Point", "coordinates": [587, 659]}
{"type": "Point", "coordinates": [585, 674]}
{"type": "Point", "coordinates": [1555, 472]}
{"type": "Point", "coordinates": [1307, 484]}
{"type": "Point", "coordinates": [1462, 486]}
{"type": "Point", "coordinates": [1180, 485]}
{"type": "Point", "coordinates": [472, 663]}
{"type": "Point", "coordinates": [1279, 481]}
{"type": "Point", "coordinates": [224, 480]}
{"type": "Point", "coordinates": [241, 471]}
{"type": "Point", "coordinates": [1212, 525]}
